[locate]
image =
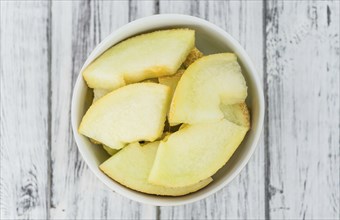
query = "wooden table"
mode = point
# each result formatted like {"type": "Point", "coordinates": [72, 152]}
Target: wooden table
{"type": "Point", "coordinates": [294, 173]}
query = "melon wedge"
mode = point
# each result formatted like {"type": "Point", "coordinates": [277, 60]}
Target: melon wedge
{"type": "Point", "coordinates": [141, 57]}
{"type": "Point", "coordinates": [132, 113]}
{"type": "Point", "coordinates": [171, 81]}
{"type": "Point", "coordinates": [195, 152]}
{"type": "Point", "coordinates": [192, 57]}
{"type": "Point", "coordinates": [131, 167]}
{"type": "Point", "coordinates": [98, 93]}
{"type": "Point", "coordinates": [208, 82]}
{"type": "Point", "coordinates": [110, 150]}
{"type": "Point", "coordinates": [237, 113]}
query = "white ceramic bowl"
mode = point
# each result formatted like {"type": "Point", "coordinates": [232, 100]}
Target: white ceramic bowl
{"type": "Point", "coordinates": [209, 39]}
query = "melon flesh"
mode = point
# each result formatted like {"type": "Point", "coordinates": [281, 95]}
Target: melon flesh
{"type": "Point", "coordinates": [110, 150]}
{"type": "Point", "coordinates": [208, 82]}
{"type": "Point", "coordinates": [195, 152]}
{"type": "Point", "coordinates": [145, 56]}
{"type": "Point", "coordinates": [237, 113]}
{"type": "Point", "coordinates": [192, 57]}
{"type": "Point", "coordinates": [171, 81]}
{"type": "Point", "coordinates": [135, 112]}
{"type": "Point", "coordinates": [131, 167]}
{"type": "Point", "coordinates": [98, 93]}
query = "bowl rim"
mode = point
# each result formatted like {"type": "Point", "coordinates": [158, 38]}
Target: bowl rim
{"type": "Point", "coordinates": [241, 53]}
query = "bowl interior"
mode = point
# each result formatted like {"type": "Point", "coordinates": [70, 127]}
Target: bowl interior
{"type": "Point", "coordinates": [209, 39]}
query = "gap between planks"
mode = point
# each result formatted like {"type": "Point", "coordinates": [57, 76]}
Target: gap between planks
{"type": "Point", "coordinates": [266, 118]}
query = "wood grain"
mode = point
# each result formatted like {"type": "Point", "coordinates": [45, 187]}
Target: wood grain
{"type": "Point", "coordinates": [24, 75]}
{"type": "Point", "coordinates": [303, 109]}
{"type": "Point", "coordinates": [294, 173]}
{"type": "Point", "coordinates": [244, 197]}
{"type": "Point", "coordinates": [76, 192]}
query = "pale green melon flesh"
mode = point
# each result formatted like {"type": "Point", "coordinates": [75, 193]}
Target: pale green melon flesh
{"type": "Point", "coordinates": [195, 152]}
{"type": "Point", "coordinates": [144, 56]}
{"type": "Point", "coordinates": [171, 81]}
{"type": "Point", "coordinates": [209, 81]}
{"type": "Point", "coordinates": [135, 112]}
{"type": "Point", "coordinates": [236, 113]}
{"type": "Point", "coordinates": [98, 93]}
{"type": "Point", "coordinates": [110, 150]}
{"type": "Point", "coordinates": [131, 167]}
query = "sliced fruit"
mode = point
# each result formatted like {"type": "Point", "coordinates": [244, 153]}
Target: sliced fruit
{"type": "Point", "coordinates": [110, 150]}
{"type": "Point", "coordinates": [195, 152]}
{"type": "Point", "coordinates": [237, 113]}
{"type": "Point", "coordinates": [182, 126]}
{"type": "Point", "coordinates": [154, 80]}
{"type": "Point", "coordinates": [133, 113]}
{"type": "Point", "coordinates": [94, 141]}
{"type": "Point", "coordinates": [209, 81]}
{"type": "Point", "coordinates": [141, 57]}
{"type": "Point", "coordinates": [171, 81]}
{"type": "Point", "coordinates": [192, 57]}
{"type": "Point", "coordinates": [98, 93]}
{"type": "Point", "coordinates": [165, 134]}
{"type": "Point", "coordinates": [131, 167]}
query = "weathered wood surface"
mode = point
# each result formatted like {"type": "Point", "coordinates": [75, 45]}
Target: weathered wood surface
{"type": "Point", "coordinates": [302, 89]}
{"type": "Point", "coordinates": [294, 173]}
{"type": "Point", "coordinates": [24, 86]}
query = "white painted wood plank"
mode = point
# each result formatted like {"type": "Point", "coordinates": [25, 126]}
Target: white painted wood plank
{"type": "Point", "coordinates": [77, 28]}
{"type": "Point", "coordinates": [139, 9]}
{"type": "Point", "coordinates": [303, 109]}
{"type": "Point", "coordinates": [244, 197]}
{"type": "Point", "coordinates": [24, 74]}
